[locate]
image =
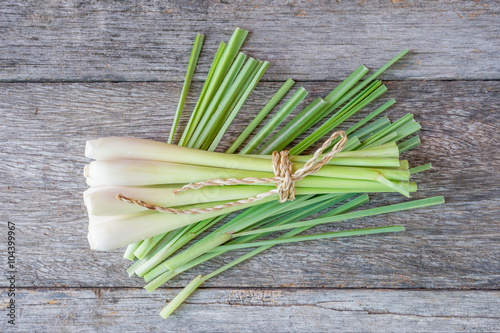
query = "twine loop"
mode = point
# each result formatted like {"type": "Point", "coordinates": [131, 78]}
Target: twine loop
{"type": "Point", "coordinates": [284, 179]}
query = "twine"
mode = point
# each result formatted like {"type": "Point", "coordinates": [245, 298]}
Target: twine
{"type": "Point", "coordinates": [283, 178]}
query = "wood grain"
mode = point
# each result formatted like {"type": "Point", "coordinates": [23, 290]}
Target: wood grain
{"type": "Point", "coordinates": [305, 40]}
{"type": "Point", "coordinates": [241, 310]}
{"type": "Point", "coordinates": [44, 128]}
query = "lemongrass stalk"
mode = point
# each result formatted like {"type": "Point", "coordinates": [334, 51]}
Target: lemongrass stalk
{"type": "Point", "coordinates": [229, 54]}
{"type": "Point", "coordinates": [290, 131]}
{"type": "Point", "coordinates": [114, 148]}
{"type": "Point", "coordinates": [407, 130]}
{"type": "Point", "coordinates": [193, 60]}
{"type": "Point", "coordinates": [236, 109]}
{"type": "Point", "coordinates": [272, 124]}
{"type": "Point", "coordinates": [203, 246]}
{"type": "Point", "coordinates": [129, 252]}
{"type": "Point", "coordinates": [341, 209]}
{"type": "Point", "coordinates": [262, 114]}
{"type": "Point", "coordinates": [233, 107]}
{"type": "Point", "coordinates": [164, 242]}
{"type": "Point", "coordinates": [188, 233]}
{"type": "Point", "coordinates": [367, 96]}
{"type": "Point", "coordinates": [367, 81]}
{"type": "Point", "coordinates": [372, 129]}
{"type": "Point", "coordinates": [116, 233]}
{"type": "Point", "coordinates": [421, 168]}
{"type": "Point", "coordinates": [224, 96]}
{"type": "Point", "coordinates": [215, 62]}
{"type": "Point", "coordinates": [181, 297]}
{"type": "Point", "coordinates": [345, 233]}
{"type": "Point", "coordinates": [147, 245]}
{"type": "Point", "coordinates": [372, 115]}
{"type": "Point", "coordinates": [392, 128]}
{"type": "Point", "coordinates": [330, 123]}
{"type": "Point", "coordinates": [125, 172]}
{"type": "Point", "coordinates": [296, 215]}
{"type": "Point", "coordinates": [409, 144]}
{"type": "Point", "coordinates": [362, 213]}
{"type": "Point", "coordinates": [387, 150]}
{"type": "Point", "coordinates": [335, 98]}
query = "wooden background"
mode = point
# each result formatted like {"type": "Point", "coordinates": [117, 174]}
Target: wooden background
{"type": "Point", "coordinates": [76, 70]}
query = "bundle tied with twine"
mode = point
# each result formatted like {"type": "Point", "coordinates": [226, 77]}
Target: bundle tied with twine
{"type": "Point", "coordinates": [284, 179]}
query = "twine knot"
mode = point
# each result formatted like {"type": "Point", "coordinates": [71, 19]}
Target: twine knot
{"type": "Point", "coordinates": [284, 179]}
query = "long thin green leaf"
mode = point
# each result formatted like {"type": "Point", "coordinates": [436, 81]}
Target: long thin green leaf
{"type": "Point", "coordinates": [193, 60]}
{"type": "Point", "coordinates": [262, 114]}
{"type": "Point", "coordinates": [362, 213]}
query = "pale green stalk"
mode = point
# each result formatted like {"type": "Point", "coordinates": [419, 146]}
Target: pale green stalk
{"type": "Point", "coordinates": [272, 124]}
{"type": "Point", "coordinates": [296, 215]}
{"type": "Point", "coordinates": [193, 60]}
{"type": "Point", "coordinates": [372, 129]}
{"type": "Point", "coordinates": [188, 290]}
{"type": "Point", "coordinates": [409, 144]}
{"type": "Point", "coordinates": [231, 98]}
{"type": "Point", "coordinates": [291, 130]}
{"type": "Point", "coordinates": [262, 114]}
{"type": "Point", "coordinates": [243, 98]}
{"type": "Point", "coordinates": [421, 168]}
{"type": "Point", "coordinates": [129, 252]}
{"type": "Point", "coordinates": [362, 213]}
{"type": "Point", "coordinates": [184, 138]}
{"type": "Point", "coordinates": [221, 95]}
{"type": "Point", "coordinates": [147, 245]}
{"type": "Point", "coordinates": [365, 97]}
{"type": "Point", "coordinates": [229, 54]}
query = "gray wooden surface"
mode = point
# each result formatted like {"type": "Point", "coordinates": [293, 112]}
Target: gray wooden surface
{"type": "Point", "coordinates": [71, 71]}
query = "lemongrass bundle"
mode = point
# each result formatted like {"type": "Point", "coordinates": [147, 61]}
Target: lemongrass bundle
{"type": "Point", "coordinates": [151, 172]}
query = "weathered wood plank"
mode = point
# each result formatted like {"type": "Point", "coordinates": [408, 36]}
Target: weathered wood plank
{"type": "Point", "coordinates": [151, 40]}
{"type": "Point", "coordinates": [252, 310]}
{"type": "Point", "coordinates": [44, 128]}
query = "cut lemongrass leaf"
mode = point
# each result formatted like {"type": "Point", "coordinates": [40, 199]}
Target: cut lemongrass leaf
{"type": "Point", "coordinates": [221, 94]}
{"type": "Point", "coordinates": [262, 114]}
{"type": "Point", "coordinates": [366, 82]}
{"type": "Point", "coordinates": [292, 129]}
{"type": "Point", "coordinates": [193, 60]}
{"type": "Point", "coordinates": [420, 168]}
{"type": "Point", "coordinates": [400, 123]}
{"type": "Point", "coordinates": [274, 122]}
{"type": "Point", "coordinates": [334, 97]}
{"type": "Point", "coordinates": [362, 213]}
{"type": "Point", "coordinates": [183, 238]}
{"type": "Point", "coordinates": [185, 135]}
{"type": "Point", "coordinates": [407, 130]}
{"type": "Point", "coordinates": [227, 58]}
{"type": "Point", "coordinates": [228, 95]}
{"type": "Point", "coordinates": [409, 144]}
{"type": "Point", "coordinates": [147, 245]}
{"type": "Point", "coordinates": [337, 234]}
{"type": "Point", "coordinates": [181, 297]}
{"type": "Point", "coordinates": [371, 129]}
{"type": "Point", "coordinates": [346, 85]}
{"type": "Point", "coordinates": [206, 244]}
{"type": "Point", "coordinates": [387, 138]}
{"type": "Point", "coordinates": [366, 96]}
{"type": "Point", "coordinates": [395, 187]}
{"type": "Point", "coordinates": [372, 115]}
{"type": "Point", "coordinates": [129, 252]}
{"type": "Point", "coordinates": [161, 279]}
{"type": "Point", "coordinates": [238, 106]}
